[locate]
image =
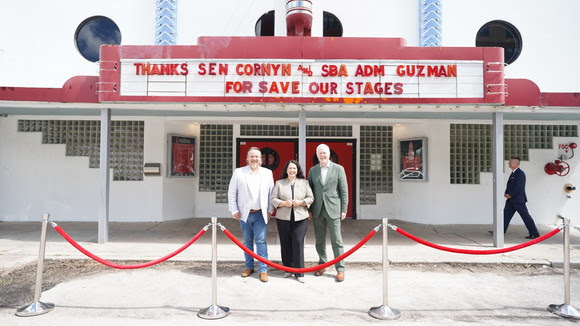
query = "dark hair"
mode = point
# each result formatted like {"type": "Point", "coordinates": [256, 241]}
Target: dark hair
{"type": "Point", "coordinates": [299, 174]}
{"type": "Point", "coordinates": [515, 158]}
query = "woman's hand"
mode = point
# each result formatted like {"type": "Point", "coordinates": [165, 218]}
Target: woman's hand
{"type": "Point", "coordinates": [298, 203]}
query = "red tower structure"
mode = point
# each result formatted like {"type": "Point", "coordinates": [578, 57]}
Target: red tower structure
{"type": "Point", "coordinates": [298, 17]}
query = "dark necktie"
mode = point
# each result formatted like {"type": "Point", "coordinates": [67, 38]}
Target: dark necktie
{"type": "Point", "coordinates": [292, 211]}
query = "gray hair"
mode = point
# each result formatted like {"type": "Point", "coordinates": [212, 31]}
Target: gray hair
{"type": "Point", "coordinates": [322, 146]}
{"type": "Point", "coordinates": [253, 148]}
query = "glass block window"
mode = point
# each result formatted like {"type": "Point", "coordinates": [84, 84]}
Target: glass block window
{"type": "Point", "coordinates": [83, 138]}
{"type": "Point", "coordinates": [376, 162]}
{"type": "Point", "coordinates": [269, 130]}
{"type": "Point", "coordinates": [215, 160]}
{"type": "Point", "coordinates": [216, 144]}
{"type": "Point", "coordinates": [127, 144]}
{"type": "Point", "coordinates": [524, 137]}
{"type": "Point", "coordinates": [292, 131]}
{"type": "Point", "coordinates": [470, 151]}
{"type": "Point", "coordinates": [328, 131]}
{"type": "Point", "coordinates": [471, 146]}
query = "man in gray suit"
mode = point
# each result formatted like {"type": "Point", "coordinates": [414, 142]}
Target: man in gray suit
{"type": "Point", "coordinates": [328, 183]}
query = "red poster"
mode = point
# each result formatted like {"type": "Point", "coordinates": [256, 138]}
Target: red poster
{"type": "Point", "coordinates": [182, 156]}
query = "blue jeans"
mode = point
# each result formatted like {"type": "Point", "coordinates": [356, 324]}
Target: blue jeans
{"type": "Point", "coordinates": [255, 230]}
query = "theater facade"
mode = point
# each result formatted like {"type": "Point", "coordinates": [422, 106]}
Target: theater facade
{"type": "Point", "coordinates": [424, 132]}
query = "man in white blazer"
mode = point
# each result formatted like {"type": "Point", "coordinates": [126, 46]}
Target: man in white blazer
{"type": "Point", "coordinates": [249, 202]}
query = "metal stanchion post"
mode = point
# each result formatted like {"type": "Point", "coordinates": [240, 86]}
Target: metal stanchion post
{"type": "Point", "coordinates": [384, 311]}
{"type": "Point", "coordinates": [214, 311]}
{"type": "Point", "coordinates": [566, 309]}
{"type": "Point", "coordinates": [36, 307]}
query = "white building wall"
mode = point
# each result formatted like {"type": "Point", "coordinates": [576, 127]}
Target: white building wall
{"type": "Point", "coordinates": [549, 31]}
{"type": "Point", "coordinates": [439, 202]}
{"type": "Point", "coordinates": [44, 54]}
{"type": "Point", "coordinates": [37, 45]}
{"type": "Point", "coordinates": [179, 194]}
{"type": "Point", "coordinates": [37, 178]}
{"type": "Point", "coordinates": [371, 18]}
{"type": "Point", "coordinates": [219, 18]}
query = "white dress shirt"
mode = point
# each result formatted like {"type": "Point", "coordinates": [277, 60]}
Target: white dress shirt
{"type": "Point", "coordinates": [324, 172]}
{"type": "Point", "coordinates": [254, 185]}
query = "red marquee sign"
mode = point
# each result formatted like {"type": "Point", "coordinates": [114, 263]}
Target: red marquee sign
{"type": "Point", "coordinates": [301, 70]}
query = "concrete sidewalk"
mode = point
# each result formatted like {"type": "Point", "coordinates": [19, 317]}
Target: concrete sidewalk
{"type": "Point", "coordinates": [19, 243]}
{"type": "Point", "coordinates": [168, 294]}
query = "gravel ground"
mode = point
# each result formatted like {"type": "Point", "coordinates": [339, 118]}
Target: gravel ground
{"type": "Point", "coordinates": [173, 293]}
{"type": "Point", "coordinates": [17, 286]}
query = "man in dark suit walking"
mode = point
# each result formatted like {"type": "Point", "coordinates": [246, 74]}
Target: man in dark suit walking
{"type": "Point", "coordinates": [516, 199]}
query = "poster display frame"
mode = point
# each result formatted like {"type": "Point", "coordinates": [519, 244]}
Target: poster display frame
{"type": "Point", "coordinates": [412, 167]}
{"type": "Point", "coordinates": [179, 164]}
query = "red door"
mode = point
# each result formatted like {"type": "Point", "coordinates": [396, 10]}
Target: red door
{"type": "Point", "coordinates": [341, 152]}
{"type": "Point", "coordinates": [275, 153]}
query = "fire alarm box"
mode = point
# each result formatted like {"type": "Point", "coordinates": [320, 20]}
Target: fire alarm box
{"type": "Point", "coordinates": [181, 156]}
{"type": "Point", "coordinates": [566, 151]}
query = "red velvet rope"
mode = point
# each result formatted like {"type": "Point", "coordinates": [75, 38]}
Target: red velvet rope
{"type": "Point", "coordinates": [300, 270]}
{"type": "Point", "coordinates": [113, 265]}
{"type": "Point", "coordinates": [479, 252]}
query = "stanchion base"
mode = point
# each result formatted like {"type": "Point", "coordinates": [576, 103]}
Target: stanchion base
{"type": "Point", "coordinates": [35, 309]}
{"type": "Point", "coordinates": [213, 312]}
{"type": "Point", "coordinates": [384, 312]}
{"type": "Point", "coordinates": [564, 310]}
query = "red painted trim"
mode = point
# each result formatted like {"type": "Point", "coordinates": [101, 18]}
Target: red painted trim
{"type": "Point", "coordinates": [296, 100]}
{"type": "Point", "coordinates": [79, 89]}
{"type": "Point", "coordinates": [560, 99]}
{"type": "Point", "coordinates": [83, 89]}
{"type": "Point", "coordinates": [524, 92]}
{"type": "Point", "coordinates": [284, 47]}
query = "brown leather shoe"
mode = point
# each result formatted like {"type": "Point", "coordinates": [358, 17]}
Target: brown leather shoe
{"type": "Point", "coordinates": [264, 277]}
{"type": "Point", "coordinates": [340, 276]}
{"type": "Point", "coordinates": [319, 272]}
{"type": "Point", "coordinates": [247, 272]}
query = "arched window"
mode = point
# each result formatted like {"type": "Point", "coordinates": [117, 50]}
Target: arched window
{"type": "Point", "coordinates": [265, 25]}
{"type": "Point", "coordinates": [331, 25]}
{"type": "Point", "coordinates": [94, 32]}
{"type": "Point", "coordinates": [501, 34]}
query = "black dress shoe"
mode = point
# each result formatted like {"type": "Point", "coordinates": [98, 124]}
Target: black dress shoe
{"type": "Point", "coordinates": [531, 237]}
{"type": "Point", "coordinates": [490, 231]}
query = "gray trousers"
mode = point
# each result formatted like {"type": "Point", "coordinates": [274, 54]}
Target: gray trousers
{"type": "Point", "coordinates": [320, 224]}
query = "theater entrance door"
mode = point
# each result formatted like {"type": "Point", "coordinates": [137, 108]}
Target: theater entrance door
{"type": "Point", "coordinates": [276, 152]}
